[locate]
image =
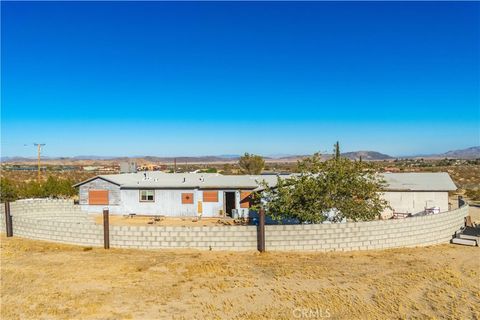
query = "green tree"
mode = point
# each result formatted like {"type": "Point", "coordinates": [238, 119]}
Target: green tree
{"type": "Point", "coordinates": [251, 164]}
{"type": "Point", "coordinates": [8, 192]}
{"type": "Point", "coordinates": [31, 189]}
{"type": "Point", "coordinates": [350, 189]}
{"type": "Point", "coordinates": [337, 150]}
{"type": "Point", "coordinates": [55, 187]}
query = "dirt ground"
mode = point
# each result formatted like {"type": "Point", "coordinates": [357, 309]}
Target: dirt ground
{"type": "Point", "coordinates": [474, 212]}
{"type": "Point", "coordinates": [45, 280]}
{"type": "Point", "coordinates": [121, 220]}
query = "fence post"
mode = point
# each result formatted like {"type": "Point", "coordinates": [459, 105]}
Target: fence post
{"type": "Point", "coordinates": [261, 230]}
{"type": "Point", "coordinates": [8, 220]}
{"type": "Point", "coordinates": [106, 229]}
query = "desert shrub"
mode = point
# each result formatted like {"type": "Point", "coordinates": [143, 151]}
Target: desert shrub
{"type": "Point", "coordinates": [52, 188]}
{"type": "Point", "coordinates": [473, 194]}
{"type": "Point", "coordinates": [8, 192]}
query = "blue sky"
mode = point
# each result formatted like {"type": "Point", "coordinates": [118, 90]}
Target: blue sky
{"type": "Point", "coordinates": [182, 78]}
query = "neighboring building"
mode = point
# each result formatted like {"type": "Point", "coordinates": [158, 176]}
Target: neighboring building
{"type": "Point", "coordinates": [213, 194]}
{"type": "Point", "coordinates": [90, 168]}
{"type": "Point", "coordinates": [128, 167]}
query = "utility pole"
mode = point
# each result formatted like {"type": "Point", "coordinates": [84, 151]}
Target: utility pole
{"type": "Point", "coordinates": [39, 150]}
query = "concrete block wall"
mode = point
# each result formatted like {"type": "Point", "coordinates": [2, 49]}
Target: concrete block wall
{"type": "Point", "coordinates": [234, 238]}
{"type": "Point", "coordinates": [382, 234]}
{"type": "Point", "coordinates": [55, 220]}
{"type": "Point", "coordinates": [61, 221]}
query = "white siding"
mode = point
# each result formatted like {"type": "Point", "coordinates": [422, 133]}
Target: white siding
{"type": "Point", "coordinates": [167, 203]}
{"type": "Point", "coordinates": [415, 201]}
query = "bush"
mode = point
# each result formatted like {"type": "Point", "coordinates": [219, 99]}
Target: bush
{"type": "Point", "coordinates": [52, 187]}
{"type": "Point", "coordinates": [8, 192]}
{"type": "Point", "coordinates": [473, 194]}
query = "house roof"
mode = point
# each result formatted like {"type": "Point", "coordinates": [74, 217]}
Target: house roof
{"type": "Point", "coordinates": [424, 181]}
{"type": "Point", "coordinates": [161, 180]}
{"type": "Point", "coordinates": [419, 181]}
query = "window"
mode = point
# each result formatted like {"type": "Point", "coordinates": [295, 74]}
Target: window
{"type": "Point", "coordinates": [147, 195]}
{"type": "Point", "coordinates": [187, 198]}
{"type": "Point", "coordinates": [210, 196]}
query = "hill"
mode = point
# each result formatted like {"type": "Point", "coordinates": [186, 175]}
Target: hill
{"type": "Point", "coordinates": [366, 155]}
{"type": "Point", "coordinates": [468, 153]}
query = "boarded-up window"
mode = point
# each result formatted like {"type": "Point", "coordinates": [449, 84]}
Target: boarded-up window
{"type": "Point", "coordinates": [96, 197]}
{"type": "Point", "coordinates": [245, 197]}
{"type": "Point", "coordinates": [210, 196]}
{"type": "Point", "coordinates": [187, 198]}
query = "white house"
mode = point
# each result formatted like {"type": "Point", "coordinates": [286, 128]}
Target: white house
{"type": "Point", "coordinates": [170, 194]}
{"type": "Point", "coordinates": [213, 195]}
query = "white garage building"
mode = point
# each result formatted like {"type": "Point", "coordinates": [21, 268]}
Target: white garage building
{"type": "Point", "coordinates": [213, 195]}
{"type": "Point", "coordinates": [413, 193]}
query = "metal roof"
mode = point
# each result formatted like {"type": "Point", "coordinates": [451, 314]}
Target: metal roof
{"type": "Point", "coordinates": [161, 180]}
{"type": "Point", "coordinates": [416, 181]}
{"type": "Point", "coordinates": [419, 181]}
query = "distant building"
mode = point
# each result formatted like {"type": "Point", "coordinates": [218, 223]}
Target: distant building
{"type": "Point", "coordinates": [128, 167]}
{"type": "Point", "coordinates": [90, 168]}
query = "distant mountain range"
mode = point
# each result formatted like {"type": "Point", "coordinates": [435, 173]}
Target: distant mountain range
{"type": "Point", "coordinates": [468, 153]}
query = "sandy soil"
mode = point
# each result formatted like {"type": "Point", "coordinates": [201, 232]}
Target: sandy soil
{"type": "Point", "coordinates": [474, 212]}
{"type": "Point", "coordinates": [45, 280]}
{"type": "Point", "coordinates": [166, 221]}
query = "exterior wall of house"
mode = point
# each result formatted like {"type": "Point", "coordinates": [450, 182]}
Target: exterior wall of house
{"type": "Point", "coordinates": [415, 201]}
{"type": "Point", "coordinates": [114, 197]}
{"type": "Point", "coordinates": [167, 202]}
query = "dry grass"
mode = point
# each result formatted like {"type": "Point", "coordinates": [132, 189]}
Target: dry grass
{"type": "Point", "coordinates": [44, 280]}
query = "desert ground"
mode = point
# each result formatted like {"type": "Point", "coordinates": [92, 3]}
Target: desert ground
{"type": "Point", "coordinates": [43, 280]}
{"type": "Point", "coordinates": [122, 220]}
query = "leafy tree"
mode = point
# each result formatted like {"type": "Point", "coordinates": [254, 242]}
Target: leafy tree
{"type": "Point", "coordinates": [251, 164]}
{"type": "Point", "coordinates": [347, 188]}
{"type": "Point", "coordinates": [31, 189]}
{"type": "Point", "coordinates": [55, 187]}
{"type": "Point", "coordinates": [8, 192]}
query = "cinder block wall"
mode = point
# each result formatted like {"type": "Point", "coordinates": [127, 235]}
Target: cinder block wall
{"type": "Point", "coordinates": [55, 220]}
{"type": "Point", "coordinates": [382, 234]}
{"type": "Point", "coordinates": [61, 221]}
{"type": "Point", "coordinates": [209, 238]}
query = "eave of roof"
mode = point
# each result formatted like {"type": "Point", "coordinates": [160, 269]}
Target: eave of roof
{"type": "Point", "coordinates": [93, 178]}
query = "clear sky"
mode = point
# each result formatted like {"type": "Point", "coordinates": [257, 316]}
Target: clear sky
{"type": "Point", "coordinates": [182, 78]}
